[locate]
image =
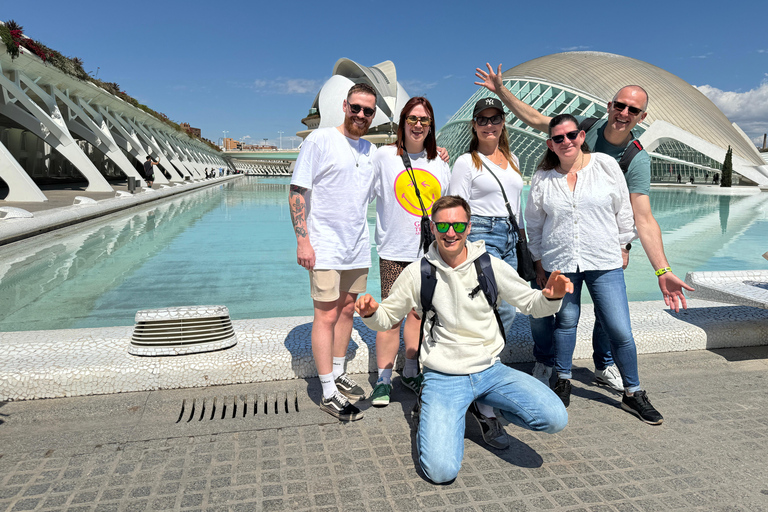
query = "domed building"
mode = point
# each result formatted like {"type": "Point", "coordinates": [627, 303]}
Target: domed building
{"type": "Point", "coordinates": [326, 110]}
{"type": "Point", "coordinates": [684, 132]}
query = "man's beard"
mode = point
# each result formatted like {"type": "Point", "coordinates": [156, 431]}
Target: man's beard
{"type": "Point", "coordinates": [353, 129]}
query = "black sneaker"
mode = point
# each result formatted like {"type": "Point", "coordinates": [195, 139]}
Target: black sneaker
{"type": "Point", "coordinates": [349, 388]}
{"type": "Point", "coordinates": [493, 431]}
{"type": "Point", "coordinates": [563, 390]}
{"type": "Point", "coordinates": [640, 406]}
{"type": "Point", "coordinates": [339, 406]}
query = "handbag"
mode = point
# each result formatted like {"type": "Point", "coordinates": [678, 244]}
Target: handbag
{"type": "Point", "coordinates": [525, 267]}
{"type": "Point", "coordinates": [426, 232]}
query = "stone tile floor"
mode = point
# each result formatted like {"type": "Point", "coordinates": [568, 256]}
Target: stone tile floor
{"type": "Point", "coordinates": [130, 451]}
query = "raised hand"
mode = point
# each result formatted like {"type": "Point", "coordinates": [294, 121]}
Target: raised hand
{"type": "Point", "coordinates": [490, 80]}
{"type": "Point", "coordinates": [557, 286]}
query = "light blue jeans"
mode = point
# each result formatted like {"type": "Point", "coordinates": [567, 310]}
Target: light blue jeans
{"type": "Point", "coordinates": [500, 240]}
{"type": "Point", "coordinates": [522, 400]}
{"type": "Point", "coordinates": [554, 337]}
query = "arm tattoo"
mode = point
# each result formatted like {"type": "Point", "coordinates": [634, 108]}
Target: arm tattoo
{"type": "Point", "coordinates": [297, 204]}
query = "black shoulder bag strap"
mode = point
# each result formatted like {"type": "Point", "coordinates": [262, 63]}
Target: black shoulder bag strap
{"type": "Point", "coordinates": [506, 202]}
{"type": "Point", "coordinates": [487, 283]}
{"type": "Point", "coordinates": [428, 285]}
{"type": "Point", "coordinates": [424, 215]}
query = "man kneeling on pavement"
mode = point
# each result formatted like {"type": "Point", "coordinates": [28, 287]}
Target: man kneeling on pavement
{"type": "Point", "coordinates": [461, 342]}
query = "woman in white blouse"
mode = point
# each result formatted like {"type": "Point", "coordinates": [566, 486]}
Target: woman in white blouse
{"type": "Point", "coordinates": [578, 218]}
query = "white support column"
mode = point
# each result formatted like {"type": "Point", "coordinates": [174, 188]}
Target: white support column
{"type": "Point", "coordinates": [153, 146]}
{"type": "Point", "coordinates": [96, 135]}
{"type": "Point", "coordinates": [21, 188]}
{"type": "Point", "coordinates": [162, 139]}
{"type": "Point", "coordinates": [49, 126]}
{"type": "Point", "coordinates": [167, 160]}
{"type": "Point", "coordinates": [132, 144]}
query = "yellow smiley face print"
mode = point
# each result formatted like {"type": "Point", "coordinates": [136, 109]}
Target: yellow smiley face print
{"type": "Point", "coordinates": [405, 193]}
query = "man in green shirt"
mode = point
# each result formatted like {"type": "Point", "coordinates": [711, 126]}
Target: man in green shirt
{"type": "Point", "coordinates": [611, 136]}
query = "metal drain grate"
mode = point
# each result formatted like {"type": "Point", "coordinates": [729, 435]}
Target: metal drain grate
{"type": "Point", "coordinates": [236, 406]}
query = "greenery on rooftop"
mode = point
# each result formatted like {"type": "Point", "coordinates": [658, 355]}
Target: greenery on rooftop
{"type": "Point", "coordinates": [14, 39]}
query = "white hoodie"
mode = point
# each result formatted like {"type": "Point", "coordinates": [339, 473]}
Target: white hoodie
{"type": "Point", "coordinates": [466, 339]}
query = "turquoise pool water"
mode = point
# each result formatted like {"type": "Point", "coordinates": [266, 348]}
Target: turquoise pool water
{"type": "Point", "coordinates": [233, 245]}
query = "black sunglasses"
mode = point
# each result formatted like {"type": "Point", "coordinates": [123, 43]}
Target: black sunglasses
{"type": "Point", "coordinates": [619, 107]}
{"type": "Point", "coordinates": [482, 120]}
{"type": "Point", "coordinates": [367, 111]}
{"type": "Point", "coordinates": [558, 139]}
{"type": "Point", "coordinates": [458, 227]}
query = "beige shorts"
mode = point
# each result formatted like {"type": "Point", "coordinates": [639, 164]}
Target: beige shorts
{"type": "Point", "coordinates": [327, 285]}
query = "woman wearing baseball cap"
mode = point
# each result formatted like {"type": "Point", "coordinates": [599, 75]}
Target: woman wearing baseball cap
{"type": "Point", "coordinates": [488, 176]}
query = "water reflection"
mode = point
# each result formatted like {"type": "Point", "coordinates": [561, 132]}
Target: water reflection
{"type": "Point", "coordinates": [725, 209]}
{"type": "Point", "coordinates": [233, 245]}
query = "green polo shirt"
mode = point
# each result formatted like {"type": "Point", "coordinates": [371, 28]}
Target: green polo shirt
{"type": "Point", "coordinates": [638, 176]}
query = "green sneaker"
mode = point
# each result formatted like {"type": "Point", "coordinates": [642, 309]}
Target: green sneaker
{"type": "Point", "coordinates": [380, 394]}
{"type": "Point", "coordinates": [413, 383]}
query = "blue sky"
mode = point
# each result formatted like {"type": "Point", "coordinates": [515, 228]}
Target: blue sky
{"type": "Point", "coordinates": [254, 68]}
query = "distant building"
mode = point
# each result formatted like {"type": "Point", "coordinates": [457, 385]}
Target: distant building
{"type": "Point", "coordinates": [190, 130]}
{"type": "Point", "coordinates": [326, 110]}
{"type": "Point", "coordinates": [230, 144]}
{"type": "Point", "coordinates": [684, 131]}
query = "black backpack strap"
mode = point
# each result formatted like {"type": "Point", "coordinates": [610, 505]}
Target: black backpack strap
{"type": "Point", "coordinates": [588, 123]}
{"type": "Point", "coordinates": [428, 284]}
{"type": "Point", "coordinates": [632, 150]}
{"type": "Point", "coordinates": [487, 283]}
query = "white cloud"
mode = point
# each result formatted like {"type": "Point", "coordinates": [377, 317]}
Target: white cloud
{"type": "Point", "coordinates": [288, 85]}
{"type": "Point", "coordinates": [417, 87]}
{"type": "Point", "coordinates": [575, 48]}
{"type": "Point", "coordinates": [747, 109]}
{"type": "Point", "coordinates": [762, 51]}
{"type": "Point", "coordinates": [704, 56]}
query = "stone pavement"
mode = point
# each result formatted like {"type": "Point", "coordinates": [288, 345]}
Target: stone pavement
{"type": "Point", "coordinates": [267, 446]}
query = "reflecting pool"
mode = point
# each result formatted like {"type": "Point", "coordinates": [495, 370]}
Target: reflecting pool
{"type": "Point", "coordinates": [233, 245]}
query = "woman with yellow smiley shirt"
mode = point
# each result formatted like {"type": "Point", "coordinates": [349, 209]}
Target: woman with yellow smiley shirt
{"type": "Point", "coordinates": [398, 229]}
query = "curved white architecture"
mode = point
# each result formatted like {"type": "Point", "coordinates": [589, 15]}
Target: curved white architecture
{"type": "Point", "coordinates": [684, 131]}
{"type": "Point", "coordinates": [326, 110]}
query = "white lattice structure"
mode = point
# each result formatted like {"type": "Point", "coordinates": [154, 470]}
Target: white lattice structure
{"type": "Point", "coordinates": [50, 110]}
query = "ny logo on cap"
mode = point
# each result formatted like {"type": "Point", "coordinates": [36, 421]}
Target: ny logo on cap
{"type": "Point", "coordinates": [489, 101]}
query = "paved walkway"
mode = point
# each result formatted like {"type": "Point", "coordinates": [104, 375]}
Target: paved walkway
{"type": "Point", "coordinates": [208, 449]}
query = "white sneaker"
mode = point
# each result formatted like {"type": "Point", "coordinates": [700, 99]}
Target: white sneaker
{"type": "Point", "coordinates": [610, 377]}
{"type": "Point", "coordinates": [543, 373]}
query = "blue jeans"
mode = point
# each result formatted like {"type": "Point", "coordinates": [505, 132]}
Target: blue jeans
{"type": "Point", "coordinates": [521, 399]}
{"type": "Point", "coordinates": [554, 337]}
{"type": "Point", "coordinates": [500, 240]}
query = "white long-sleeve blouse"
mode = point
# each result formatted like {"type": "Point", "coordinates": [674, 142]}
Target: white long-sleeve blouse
{"type": "Point", "coordinates": [584, 229]}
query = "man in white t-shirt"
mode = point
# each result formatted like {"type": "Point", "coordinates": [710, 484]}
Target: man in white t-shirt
{"type": "Point", "coordinates": [329, 196]}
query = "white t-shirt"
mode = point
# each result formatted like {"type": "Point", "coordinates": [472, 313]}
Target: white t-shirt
{"type": "Point", "coordinates": [482, 191]}
{"type": "Point", "coordinates": [398, 212]}
{"type": "Point", "coordinates": [339, 174]}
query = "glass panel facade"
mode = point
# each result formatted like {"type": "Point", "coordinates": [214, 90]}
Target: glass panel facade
{"type": "Point", "coordinates": [667, 160]}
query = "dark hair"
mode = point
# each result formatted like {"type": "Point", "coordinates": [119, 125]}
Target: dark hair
{"type": "Point", "coordinates": [430, 143]}
{"type": "Point", "coordinates": [149, 157]}
{"type": "Point", "coordinates": [503, 146]}
{"type": "Point", "coordinates": [361, 88]}
{"type": "Point", "coordinates": [446, 202]}
{"type": "Point", "coordinates": [550, 160]}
